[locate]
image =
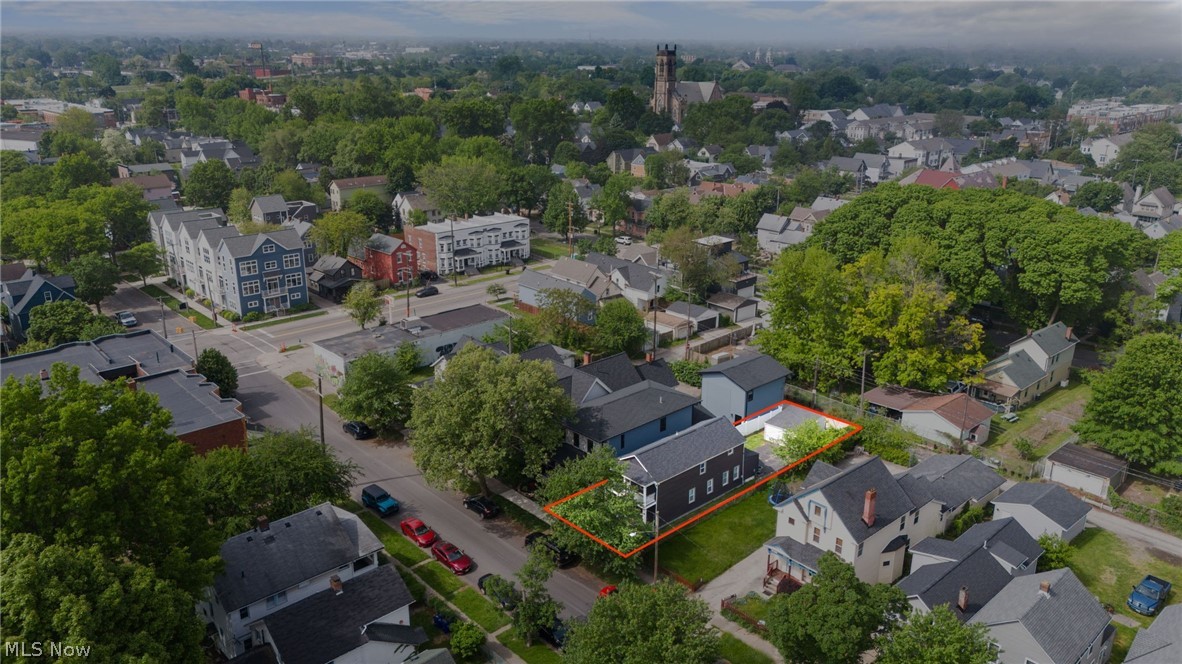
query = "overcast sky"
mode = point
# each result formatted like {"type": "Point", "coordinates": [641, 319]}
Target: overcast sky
{"type": "Point", "coordinates": [1106, 24]}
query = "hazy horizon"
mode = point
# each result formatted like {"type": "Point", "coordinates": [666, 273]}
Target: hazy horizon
{"type": "Point", "coordinates": [1139, 26]}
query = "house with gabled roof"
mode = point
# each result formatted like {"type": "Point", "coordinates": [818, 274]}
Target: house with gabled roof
{"type": "Point", "coordinates": [1161, 642]}
{"type": "Point", "coordinates": [1157, 204]}
{"type": "Point", "coordinates": [1003, 539]}
{"type": "Point", "coordinates": [684, 472]}
{"type": "Point", "coordinates": [1047, 617]}
{"type": "Point", "coordinates": [340, 191]}
{"type": "Point", "coordinates": [1033, 365]}
{"type": "Point", "coordinates": [702, 318]}
{"type": "Point", "coordinates": [532, 287]}
{"type": "Point", "coordinates": [386, 260]}
{"type": "Point", "coordinates": [636, 282]}
{"type": "Point", "coordinates": [331, 277]}
{"type": "Point", "coordinates": [941, 418]}
{"type": "Point", "coordinates": [21, 296]}
{"type": "Point", "coordinates": [262, 272]}
{"type": "Point", "coordinates": [618, 372]}
{"type": "Point", "coordinates": [1148, 283]}
{"type": "Point", "coordinates": [1086, 469]}
{"type": "Point", "coordinates": [1043, 509]}
{"type": "Point", "coordinates": [630, 418]}
{"type": "Point", "coordinates": [270, 209]}
{"type": "Point", "coordinates": [409, 202]}
{"type": "Point", "coordinates": [743, 386]}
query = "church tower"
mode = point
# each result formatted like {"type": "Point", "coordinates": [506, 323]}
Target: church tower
{"type": "Point", "coordinates": [665, 82]}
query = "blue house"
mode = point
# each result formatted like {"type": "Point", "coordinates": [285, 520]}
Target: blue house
{"type": "Point", "coordinates": [743, 386]}
{"type": "Point", "coordinates": [630, 418]}
{"type": "Point", "coordinates": [263, 272]}
{"type": "Point", "coordinates": [20, 297]}
{"type": "Point", "coordinates": [531, 285]}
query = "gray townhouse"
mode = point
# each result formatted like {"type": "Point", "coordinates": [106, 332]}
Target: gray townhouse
{"type": "Point", "coordinates": [741, 387]}
{"type": "Point", "coordinates": [263, 272]}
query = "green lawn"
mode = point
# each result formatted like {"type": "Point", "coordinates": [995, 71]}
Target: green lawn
{"type": "Point", "coordinates": [754, 605]}
{"type": "Point", "coordinates": [1102, 562]}
{"type": "Point", "coordinates": [1045, 434]}
{"type": "Point", "coordinates": [202, 321]}
{"type": "Point", "coordinates": [711, 546]}
{"type": "Point", "coordinates": [404, 550]}
{"type": "Point", "coordinates": [441, 579]}
{"type": "Point", "coordinates": [331, 401]}
{"type": "Point", "coordinates": [735, 651]}
{"type": "Point", "coordinates": [479, 610]}
{"type": "Point", "coordinates": [538, 653]}
{"type": "Point", "coordinates": [299, 380]}
{"type": "Point", "coordinates": [520, 514]}
{"type": "Point", "coordinates": [548, 248]}
{"type": "Point", "coordinates": [755, 440]}
{"type": "Point", "coordinates": [1122, 641]}
{"type": "Point", "coordinates": [284, 319]}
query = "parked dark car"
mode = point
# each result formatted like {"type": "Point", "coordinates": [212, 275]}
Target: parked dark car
{"type": "Point", "coordinates": [486, 508]}
{"type": "Point", "coordinates": [507, 600]}
{"type": "Point", "coordinates": [555, 635]}
{"type": "Point", "coordinates": [1149, 595]}
{"type": "Point", "coordinates": [359, 430]}
{"type": "Point", "coordinates": [427, 292]}
{"type": "Point", "coordinates": [561, 556]}
{"type": "Point", "coordinates": [376, 497]}
{"type": "Point", "coordinates": [451, 557]}
{"type": "Point", "coordinates": [427, 276]}
{"type": "Point", "coordinates": [418, 532]}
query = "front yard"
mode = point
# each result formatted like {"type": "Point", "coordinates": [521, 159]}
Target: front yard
{"type": "Point", "coordinates": [711, 546]}
{"type": "Point", "coordinates": [1109, 568]}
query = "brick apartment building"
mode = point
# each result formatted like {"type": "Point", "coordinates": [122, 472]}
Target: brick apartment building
{"type": "Point", "coordinates": [386, 260]}
{"type": "Point", "coordinates": [483, 240]}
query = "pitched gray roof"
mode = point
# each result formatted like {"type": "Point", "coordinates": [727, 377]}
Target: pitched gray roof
{"type": "Point", "coordinates": [802, 552]}
{"type": "Point", "coordinates": [696, 312]}
{"type": "Point", "coordinates": [790, 417]}
{"type": "Point", "coordinates": [1161, 642]}
{"type": "Point", "coordinates": [615, 371]}
{"type": "Point", "coordinates": [435, 656]}
{"type": "Point", "coordinates": [1007, 533]}
{"type": "Point", "coordinates": [772, 222]}
{"type": "Point", "coordinates": [270, 204]}
{"type": "Point", "coordinates": [575, 383]}
{"type": "Point", "coordinates": [294, 549]}
{"type": "Point", "coordinates": [540, 281]}
{"type": "Point", "coordinates": [1052, 500]}
{"type": "Point", "coordinates": [954, 479]}
{"type": "Point", "coordinates": [657, 371]}
{"type": "Point", "coordinates": [749, 370]}
{"type": "Point", "coordinates": [1021, 369]}
{"type": "Point", "coordinates": [940, 583]}
{"type": "Point", "coordinates": [322, 627]}
{"type": "Point", "coordinates": [1064, 624]}
{"type": "Point", "coordinates": [621, 411]}
{"type": "Point", "coordinates": [1053, 339]}
{"type": "Point", "coordinates": [669, 457]}
{"type": "Point", "coordinates": [1101, 464]}
{"type": "Point", "coordinates": [246, 245]}
{"type": "Point", "coordinates": [846, 495]}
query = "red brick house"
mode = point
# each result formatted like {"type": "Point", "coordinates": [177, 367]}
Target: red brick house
{"type": "Point", "coordinates": [386, 260]}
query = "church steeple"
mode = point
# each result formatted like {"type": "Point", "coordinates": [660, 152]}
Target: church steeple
{"type": "Point", "coordinates": [665, 81]}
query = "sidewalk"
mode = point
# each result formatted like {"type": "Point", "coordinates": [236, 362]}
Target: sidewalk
{"type": "Point", "coordinates": [739, 580]}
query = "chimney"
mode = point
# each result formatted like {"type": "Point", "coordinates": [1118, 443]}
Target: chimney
{"type": "Point", "coordinates": [131, 385]}
{"type": "Point", "coordinates": [648, 357]}
{"type": "Point", "coordinates": [1044, 588]}
{"type": "Point", "coordinates": [868, 507]}
{"type": "Point", "coordinates": [262, 524]}
{"type": "Point", "coordinates": [962, 599]}
{"type": "Point", "coordinates": [335, 582]}
{"type": "Point", "coordinates": [586, 357]}
{"type": "Point", "coordinates": [1069, 334]}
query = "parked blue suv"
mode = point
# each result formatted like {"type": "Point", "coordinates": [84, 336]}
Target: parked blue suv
{"type": "Point", "coordinates": [376, 497]}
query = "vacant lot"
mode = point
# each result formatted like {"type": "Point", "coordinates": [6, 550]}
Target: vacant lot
{"type": "Point", "coordinates": [1110, 569]}
{"type": "Point", "coordinates": [711, 546]}
{"type": "Point", "coordinates": [1046, 424]}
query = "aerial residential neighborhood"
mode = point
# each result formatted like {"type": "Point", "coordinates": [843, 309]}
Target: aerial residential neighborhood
{"type": "Point", "coordinates": [529, 333]}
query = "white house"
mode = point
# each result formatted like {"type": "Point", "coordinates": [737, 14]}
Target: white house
{"type": "Point", "coordinates": [1105, 150]}
{"type": "Point", "coordinates": [1043, 509]}
{"type": "Point", "coordinates": [480, 241]}
{"type": "Point", "coordinates": [1033, 365]}
{"type": "Point", "coordinates": [941, 418]}
{"type": "Point", "coordinates": [409, 202]}
{"type": "Point", "coordinates": [1085, 469]}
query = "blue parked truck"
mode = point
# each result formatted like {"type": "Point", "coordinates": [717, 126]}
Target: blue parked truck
{"type": "Point", "coordinates": [1149, 596]}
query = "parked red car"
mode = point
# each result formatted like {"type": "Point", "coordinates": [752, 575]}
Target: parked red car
{"type": "Point", "coordinates": [418, 532]}
{"type": "Point", "coordinates": [608, 590]}
{"type": "Point", "coordinates": [451, 556]}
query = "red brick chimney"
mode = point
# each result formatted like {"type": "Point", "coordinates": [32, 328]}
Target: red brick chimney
{"type": "Point", "coordinates": [263, 524]}
{"type": "Point", "coordinates": [868, 507]}
{"type": "Point", "coordinates": [337, 586]}
{"type": "Point", "coordinates": [131, 385]}
{"type": "Point", "coordinates": [962, 599]}
{"type": "Point", "coordinates": [586, 357]}
{"type": "Point", "coordinates": [1068, 334]}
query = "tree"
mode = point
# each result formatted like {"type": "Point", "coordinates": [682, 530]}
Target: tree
{"type": "Point", "coordinates": [215, 366]}
{"type": "Point", "coordinates": [462, 186]}
{"type": "Point", "coordinates": [74, 594]}
{"type": "Point", "coordinates": [937, 637]}
{"type": "Point", "coordinates": [239, 206]}
{"type": "Point", "coordinates": [95, 466]}
{"type": "Point", "coordinates": [564, 316]}
{"type": "Point", "coordinates": [486, 416]}
{"type": "Point", "coordinates": [408, 358]}
{"type": "Point", "coordinates": [142, 260]}
{"type": "Point", "coordinates": [699, 271]}
{"type": "Point", "coordinates": [661, 623]}
{"type": "Point", "coordinates": [56, 323]}
{"type": "Point", "coordinates": [209, 185]}
{"type": "Point", "coordinates": [1135, 410]}
{"type": "Point", "coordinates": [1100, 196]}
{"type": "Point", "coordinates": [688, 372]}
{"type": "Point", "coordinates": [474, 117]}
{"type": "Point", "coordinates": [74, 171]}
{"type": "Point", "coordinates": [335, 232]}
{"type": "Point", "coordinates": [281, 473]}
{"type": "Point", "coordinates": [466, 639]}
{"type": "Point", "coordinates": [94, 279]}
{"type": "Point", "coordinates": [519, 335]}
{"type": "Point", "coordinates": [376, 391]}
{"type": "Point", "coordinates": [537, 609]}
{"type": "Point", "coordinates": [949, 123]}
{"type": "Point", "coordinates": [619, 328]}
{"type": "Point", "coordinates": [363, 303]}
{"type": "Point", "coordinates": [526, 187]}
{"type": "Point", "coordinates": [496, 290]}
{"type": "Point", "coordinates": [76, 121]}
{"type": "Point", "coordinates": [541, 124]}
{"type": "Point", "coordinates": [808, 437]}
{"type": "Point", "coordinates": [376, 211]}
{"type": "Point", "coordinates": [833, 618]}
{"type": "Point", "coordinates": [1056, 552]}
{"type": "Point", "coordinates": [564, 210]}
{"type": "Point", "coordinates": [118, 148]}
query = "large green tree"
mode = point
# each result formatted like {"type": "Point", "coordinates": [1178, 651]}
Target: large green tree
{"type": "Point", "coordinates": [563, 316]}
{"type": "Point", "coordinates": [377, 212]}
{"type": "Point", "coordinates": [536, 609]}
{"type": "Point", "coordinates": [564, 211]}
{"type": "Point", "coordinates": [1100, 196]}
{"type": "Point", "coordinates": [209, 185]}
{"type": "Point", "coordinates": [94, 279]}
{"type": "Point", "coordinates": [376, 391]}
{"type": "Point", "coordinates": [142, 260]}
{"type": "Point", "coordinates": [540, 125]}
{"type": "Point", "coordinates": [64, 321]}
{"type": "Point", "coordinates": [363, 303]}
{"type": "Point", "coordinates": [1135, 409]}
{"type": "Point", "coordinates": [661, 623]}
{"type": "Point", "coordinates": [619, 328]}
{"type": "Point", "coordinates": [937, 637]}
{"type": "Point", "coordinates": [487, 415]}
{"type": "Point", "coordinates": [215, 366]}
{"type": "Point", "coordinates": [335, 232]}
{"type": "Point", "coordinates": [463, 186]}
{"type": "Point", "coordinates": [833, 618]}
{"type": "Point", "coordinates": [95, 466]}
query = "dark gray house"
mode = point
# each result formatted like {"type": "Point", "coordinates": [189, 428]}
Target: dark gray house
{"type": "Point", "coordinates": [686, 471]}
{"type": "Point", "coordinates": [268, 209]}
{"type": "Point", "coordinates": [743, 386]}
{"type": "Point", "coordinates": [332, 276]}
{"type": "Point", "coordinates": [702, 317]}
{"type": "Point", "coordinates": [617, 372]}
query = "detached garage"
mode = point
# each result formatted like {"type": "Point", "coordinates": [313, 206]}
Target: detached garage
{"type": "Point", "coordinates": [1083, 468]}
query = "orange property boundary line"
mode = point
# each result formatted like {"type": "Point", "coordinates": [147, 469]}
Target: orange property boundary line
{"type": "Point", "coordinates": [549, 509]}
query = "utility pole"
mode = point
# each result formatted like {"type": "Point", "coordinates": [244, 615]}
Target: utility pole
{"type": "Point", "coordinates": [656, 540]}
{"type": "Point", "coordinates": [863, 390]}
{"type": "Point", "coordinates": [195, 353]}
{"type": "Point", "coordinates": [163, 323]}
{"type": "Point", "coordinates": [320, 394]}
{"type": "Point", "coordinates": [816, 376]}
{"type": "Point", "coordinates": [570, 229]}
{"type": "Point", "coordinates": [454, 267]}
{"type": "Point", "coordinates": [654, 306]}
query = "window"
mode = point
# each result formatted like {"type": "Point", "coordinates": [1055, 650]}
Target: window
{"type": "Point", "coordinates": [702, 469]}
{"type": "Point", "coordinates": [48, 296]}
{"type": "Point", "coordinates": [791, 521]}
{"type": "Point", "coordinates": [250, 288]}
{"type": "Point", "coordinates": [278, 599]}
{"type": "Point", "coordinates": [253, 304]}
{"type": "Point", "coordinates": [750, 396]}
{"type": "Point", "coordinates": [291, 260]}
{"type": "Point", "coordinates": [816, 510]}
{"type": "Point", "coordinates": [247, 268]}
{"type": "Point", "coordinates": [271, 265]}
{"type": "Point", "coordinates": [244, 612]}
{"type": "Point", "coordinates": [859, 550]}
{"type": "Point", "coordinates": [726, 476]}
{"type": "Point", "coordinates": [837, 546]}
{"type": "Point", "coordinates": [902, 522]}
{"type": "Point", "coordinates": [295, 296]}
{"type": "Point", "coordinates": [735, 474]}
{"type": "Point", "coordinates": [294, 280]}
{"type": "Point", "coordinates": [816, 534]}
{"type": "Point", "coordinates": [664, 423]}
{"type": "Point", "coordinates": [269, 249]}
{"type": "Point", "coordinates": [205, 255]}
{"type": "Point", "coordinates": [709, 487]}
{"type": "Point", "coordinates": [915, 519]}
{"type": "Point", "coordinates": [693, 495]}
{"type": "Point", "coordinates": [886, 563]}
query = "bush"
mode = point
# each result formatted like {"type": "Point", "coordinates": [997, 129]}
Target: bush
{"type": "Point", "coordinates": [1025, 449]}
{"type": "Point", "coordinates": [884, 439]}
{"type": "Point", "coordinates": [253, 317]}
{"type": "Point", "coordinates": [207, 302]}
{"type": "Point", "coordinates": [307, 306]}
{"type": "Point", "coordinates": [170, 282]}
{"type": "Point", "coordinates": [688, 372]}
{"type": "Point", "coordinates": [230, 316]}
{"type": "Point", "coordinates": [190, 292]}
{"type": "Point", "coordinates": [724, 320]}
{"type": "Point", "coordinates": [1057, 553]}
{"type": "Point", "coordinates": [466, 639]}
{"type": "Point", "coordinates": [967, 519]}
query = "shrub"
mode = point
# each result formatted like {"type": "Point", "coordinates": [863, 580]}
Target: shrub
{"type": "Point", "coordinates": [207, 302]}
{"type": "Point", "coordinates": [466, 639]}
{"type": "Point", "coordinates": [190, 292]}
{"type": "Point", "coordinates": [1057, 553]}
{"type": "Point", "coordinates": [1025, 449]}
{"type": "Point", "coordinates": [231, 316]}
{"type": "Point", "coordinates": [253, 317]}
{"type": "Point", "coordinates": [306, 306]}
{"type": "Point", "coordinates": [967, 519]}
{"type": "Point", "coordinates": [688, 372]}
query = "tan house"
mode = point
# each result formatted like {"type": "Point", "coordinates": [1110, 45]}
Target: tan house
{"type": "Point", "coordinates": [1033, 365]}
{"type": "Point", "coordinates": [340, 191]}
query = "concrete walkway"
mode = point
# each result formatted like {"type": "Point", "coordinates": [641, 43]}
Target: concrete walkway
{"type": "Point", "coordinates": [745, 577]}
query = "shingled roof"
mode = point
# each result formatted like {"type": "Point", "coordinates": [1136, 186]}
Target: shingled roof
{"type": "Point", "coordinates": [671, 456]}
{"type": "Point", "coordinates": [1052, 500]}
{"type": "Point", "coordinates": [750, 370]}
{"type": "Point", "coordinates": [621, 411]}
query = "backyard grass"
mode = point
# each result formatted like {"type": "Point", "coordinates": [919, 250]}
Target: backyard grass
{"type": "Point", "coordinates": [548, 248]}
{"type": "Point", "coordinates": [420, 616]}
{"type": "Point", "coordinates": [298, 380]}
{"type": "Point", "coordinates": [479, 610]}
{"type": "Point", "coordinates": [1110, 569]}
{"type": "Point", "coordinates": [538, 653]}
{"type": "Point", "coordinates": [753, 605]}
{"type": "Point", "coordinates": [755, 440]}
{"type": "Point", "coordinates": [1121, 642]}
{"type": "Point", "coordinates": [156, 293]}
{"type": "Point", "coordinates": [416, 587]}
{"type": "Point", "coordinates": [441, 579]}
{"type": "Point", "coordinates": [403, 550]}
{"type": "Point", "coordinates": [714, 544]}
{"type": "Point", "coordinates": [735, 651]}
{"type": "Point", "coordinates": [1046, 424]}
{"type": "Point", "coordinates": [284, 319]}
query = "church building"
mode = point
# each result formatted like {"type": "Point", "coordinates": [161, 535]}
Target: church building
{"type": "Point", "coordinates": [673, 97]}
